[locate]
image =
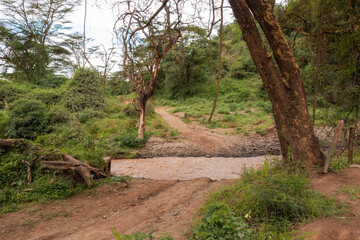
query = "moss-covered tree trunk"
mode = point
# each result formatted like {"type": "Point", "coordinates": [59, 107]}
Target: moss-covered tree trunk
{"type": "Point", "coordinates": [283, 83]}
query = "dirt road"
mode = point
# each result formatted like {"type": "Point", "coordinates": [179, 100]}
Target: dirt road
{"type": "Point", "coordinates": [143, 205]}
{"type": "Point", "coordinates": [196, 141]}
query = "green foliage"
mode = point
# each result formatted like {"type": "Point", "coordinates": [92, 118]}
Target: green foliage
{"type": "Point", "coordinates": [4, 121]}
{"type": "Point", "coordinates": [59, 114]}
{"type": "Point", "coordinates": [47, 96]}
{"type": "Point", "coordinates": [130, 140]}
{"type": "Point", "coordinates": [220, 222]}
{"type": "Point", "coordinates": [46, 185]}
{"type": "Point", "coordinates": [88, 114]}
{"type": "Point", "coordinates": [52, 81]}
{"type": "Point", "coordinates": [188, 67]}
{"type": "Point", "coordinates": [31, 40]}
{"type": "Point", "coordinates": [117, 86]}
{"type": "Point", "coordinates": [10, 92]}
{"type": "Point", "coordinates": [271, 200]}
{"type": "Point", "coordinates": [138, 236]}
{"type": "Point", "coordinates": [83, 92]}
{"type": "Point", "coordinates": [353, 191]}
{"type": "Point", "coordinates": [28, 119]}
{"type": "Point", "coordinates": [329, 51]}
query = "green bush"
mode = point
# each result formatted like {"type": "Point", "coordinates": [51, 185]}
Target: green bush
{"type": "Point", "coordinates": [10, 92]}
{"type": "Point", "coordinates": [68, 134]}
{"type": "Point", "coordinates": [271, 199]}
{"type": "Point", "coordinates": [52, 81]}
{"type": "Point", "coordinates": [47, 96]}
{"type": "Point", "coordinates": [28, 119]}
{"type": "Point", "coordinates": [129, 140]}
{"type": "Point", "coordinates": [59, 114]}
{"type": "Point", "coordinates": [84, 92]}
{"type": "Point", "coordinates": [88, 114]}
{"type": "Point", "coordinates": [220, 222]}
{"type": "Point", "coordinates": [4, 121]}
{"type": "Point", "coordinates": [138, 236]}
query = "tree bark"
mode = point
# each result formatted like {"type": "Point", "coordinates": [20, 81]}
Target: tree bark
{"type": "Point", "coordinates": [141, 130]}
{"type": "Point", "coordinates": [220, 53]}
{"type": "Point", "coordinates": [284, 85]}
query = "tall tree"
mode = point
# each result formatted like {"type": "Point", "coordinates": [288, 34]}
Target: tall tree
{"type": "Point", "coordinates": [30, 36]}
{"type": "Point", "coordinates": [336, 67]}
{"type": "Point", "coordinates": [147, 35]}
{"type": "Point", "coordinates": [282, 80]}
{"type": "Point", "coordinates": [220, 58]}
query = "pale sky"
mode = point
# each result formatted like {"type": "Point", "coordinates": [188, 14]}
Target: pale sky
{"type": "Point", "coordinates": [100, 20]}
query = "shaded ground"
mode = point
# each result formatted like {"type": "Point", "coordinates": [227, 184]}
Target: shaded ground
{"type": "Point", "coordinates": [345, 227]}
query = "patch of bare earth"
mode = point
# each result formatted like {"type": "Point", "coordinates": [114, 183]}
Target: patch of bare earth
{"type": "Point", "coordinates": [345, 227]}
{"type": "Point", "coordinates": [143, 205]}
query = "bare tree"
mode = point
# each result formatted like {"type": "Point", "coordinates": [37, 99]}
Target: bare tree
{"type": "Point", "coordinates": [220, 55]}
{"type": "Point", "coordinates": [148, 31]}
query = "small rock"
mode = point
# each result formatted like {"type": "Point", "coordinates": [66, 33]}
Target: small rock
{"type": "Point", "coordinates": [104, 217]}
{"type": "Point", "coordinates": [208, 156]}
{"type": "Point", "coordinates": [115, 210]}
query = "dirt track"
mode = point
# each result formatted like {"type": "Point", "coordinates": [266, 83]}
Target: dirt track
{"type": "Point", "coordinates": [144, 205]}
{"type": "Point", "coordinates": [196, 141]}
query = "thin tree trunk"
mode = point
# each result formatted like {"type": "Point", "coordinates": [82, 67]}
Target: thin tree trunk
{"type": "Point", "coordinates": [318, 60]}
{"type": "Point", "coordinates": [284, 86]}
{"type": "Point", "coordinates": [141, 131]}
{"type": "Point", "coordinates": [219, 69]}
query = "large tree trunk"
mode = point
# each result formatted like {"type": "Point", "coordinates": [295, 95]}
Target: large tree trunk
{"type": "Point", "coordinates": [285, 87]}
{"type": "Point", "coordinates": [141, 131]}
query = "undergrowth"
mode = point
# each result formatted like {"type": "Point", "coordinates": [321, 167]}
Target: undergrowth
{"type": "Point", "coordinates": [264, 204]}
{"type": "Point", "coordinates": [138, 236]}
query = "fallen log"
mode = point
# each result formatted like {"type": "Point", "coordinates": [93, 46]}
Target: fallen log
{"type": "Point", "coordinates": [68, 163]}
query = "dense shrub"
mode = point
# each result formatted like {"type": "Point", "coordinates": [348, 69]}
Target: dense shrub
{"type": "Point", "coordinates": [70, 133]}
{"type": "Point", "coordinates": [270, 199]}
{"type": "Point", "coordinates": [220, 222]}
{"type": "Point", "coordinates": [59, 114]}
{"type": "Point", "coordinates": [47, 96]}
{"type": "Point", "coordinates": [28, 119]}
{"type": "Point", "coordinates": [45, 186]}
{"type": "Point", "coordinates": [88, 114]}
{"type": "Point", "coordinates": [52, 81]}
{"type": "Point", "coordinates": [4, 121]}
{"type": "Point", "coordinates": [84, 92]}
{"type": "Point", "coordinates": [129, 140]}
{"type": "Point", "coordinates": [9, 91]}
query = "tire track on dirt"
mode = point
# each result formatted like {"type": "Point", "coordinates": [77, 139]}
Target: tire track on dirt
{"type": "Point", "coordinates": [154, 213]}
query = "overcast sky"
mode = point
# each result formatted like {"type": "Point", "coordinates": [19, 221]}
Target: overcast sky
{"type": "Point", "coordinates": [100, 20]}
